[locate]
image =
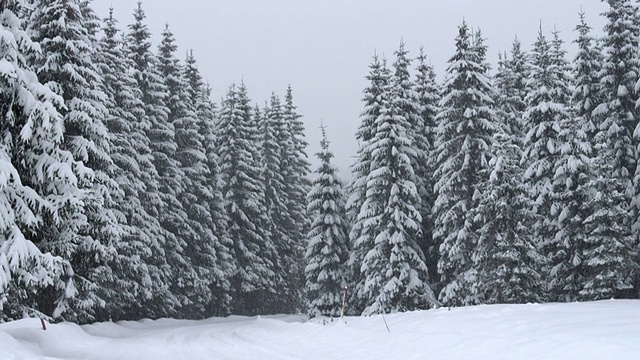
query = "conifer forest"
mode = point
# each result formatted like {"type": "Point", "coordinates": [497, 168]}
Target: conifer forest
{"type": "Point", "coordinates": [126, 192]}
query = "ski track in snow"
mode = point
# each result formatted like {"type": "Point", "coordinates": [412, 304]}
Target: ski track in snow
{"type": "Point", "coordinates": [596, 330]}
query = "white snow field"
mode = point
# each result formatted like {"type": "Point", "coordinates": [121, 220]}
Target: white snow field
{"type": "Point", "coordinates": [596, 330]}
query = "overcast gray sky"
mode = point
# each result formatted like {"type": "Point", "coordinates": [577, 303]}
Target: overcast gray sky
{"type": "Point", "coordinates": [323, 47]}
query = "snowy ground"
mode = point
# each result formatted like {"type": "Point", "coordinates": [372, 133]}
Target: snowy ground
{"type": "Point", "coordinates": [598, 330]}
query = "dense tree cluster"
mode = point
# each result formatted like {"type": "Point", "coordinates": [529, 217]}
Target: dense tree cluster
{"type": "Point", "coordinates": [517, 186]}
{"type": "Point", "coordinates": [125, 192]}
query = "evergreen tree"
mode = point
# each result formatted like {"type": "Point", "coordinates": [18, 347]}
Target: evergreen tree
{"type": "Point", "coordinates": [608, 261]}
{"type": "Point", "coordinates": [509, 265]}
{"type": "Point", "coordinates": [428, 97]}
{"type": "Point", "coordinates": [327, 245]}
{"type": "Point", "coordinates": [295, 170]}
{"type": "Point", "coordinates": [160, 133]}
{"type": "Point", "coordinates": [571, 176]}
{"type": "Point", "coordinates": [211, 193]}
{"type": "Point", "coordinates": [136, 272]}
{"type": "Point", "coordinates": [360, 212]}
{"type": "Point", "coordinates": [254, 283]}
{"type": "Point", "coordinates": [89, 232]}
{"type": "Point", "coordinates": [466, 123]}
{"type": "Point", "coordinates": [547, 111]}
{"type": "Point", "coordinates": [39, 178]}
{"type": "Point", "coordinates": [194, 220]}
{"type": "Point", "coordinates": [511, 85]}
{"type": "Point", "coordinates": [394, 268]}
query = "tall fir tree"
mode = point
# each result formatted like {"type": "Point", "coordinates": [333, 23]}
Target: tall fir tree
{"type": "Point", "coordinates": [394, 269]}
{"type": "Point", "coordinates": [295, 171]}
{"type": "Point", "coordinates": [255, 282]}
{"type": "Point", "coordinates": [508, 262]}
{"type": "Point", "coordinates": [327, 247]}
{"type": "Point", "coordinates": [160, 133]}
{"type": "Point", "coordinates": [39, 178]}
{"type": "Point", "coordinates": [466, 123]}
{"type": "Point", "coordinates": [274, 144]}
{"type": "Point", "coordinates": [195, 222]}
{"type": "Point", "coordinates": [134, 270]}
{"type": "Point", "coordinates": [428, 96]}
{"type": "Point", "coordinates": [511, 86]}
{"type": "Point", "coordinates": [616, 156]}
{"type": "Point", "coordinates": [360, 212]}
{"type": "Point", "coordinates": [89, 232]}
{"type": "Point", "coordinates": [211, 193]}
{"type": "Point", "coordinates": [547, 110]}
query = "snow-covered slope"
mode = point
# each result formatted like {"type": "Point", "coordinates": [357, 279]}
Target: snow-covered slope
{"type": "Point", "coordinates": [598, 330]}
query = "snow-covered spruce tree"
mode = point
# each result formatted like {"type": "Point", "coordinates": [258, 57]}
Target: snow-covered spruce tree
{"type": "Point", "coordinates": [466, 123]}
{"type": "Point", "coordinates": [584, 176]}
{"type": "Point", "coordinates": [195, 220]}
{"type": "Point", "coordinates": [327, 249]}
{"type": "Point", "coordinates": [223, 269]}
{"type": "Point", "coordinates": [611, 251]}
{"type": "Point", "coordinates": [38, 176]}
{"type": "Point", "coordinates": [295, 171]}
{"type": "Point", "coordinates": [547, 110]}
{"type": "Point", "coordinates": [428, 97]}
{"type": "Point", "coordinates": [136, 272]}
{"type": "Point", "coordinates": [511, 86]}
{"type": "Point", "coordinates": [254, 285]}
{"type": "Point", "coordinates": [608, 259]}
{"type": "Point", "coordinates": [618, 110]}
{"type": "Point", "coordinates": [160, 133]}
{"type": "Point", "coordinates": [276, 143]}
{"type": "Point", "coordinates": [509, 265]}
{"type": "Point", "coordinates": [394, 269]}
{"type": "Point", "coordinates": [361, 213]}
{"type": "Point", "coordinates": [411, 107]}
{"type": "Point", "coordinates": [570, 191]}
{"type": "Point", "coordinates": [88, 234]}
{"type": "Point", "coordinates": [587, 93]}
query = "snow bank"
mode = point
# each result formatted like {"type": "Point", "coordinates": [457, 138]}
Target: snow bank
{"type": "Point", "coordinates": [596, 330]}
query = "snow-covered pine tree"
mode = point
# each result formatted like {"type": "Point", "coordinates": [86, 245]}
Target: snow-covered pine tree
{"type": "Point", "coordinates": [255, 282]}
{"type": "Point", "coordinates": [295, 171]}
{"type": "Point", "coordinates": [611, 251]}
{"type": "Point", "coordinates": [618, 111]}
{"type": "Point", "coordinates": [511, 86]}
{"type": "Point", "coordinates": [160, 133]}
{"type": "Point", "coordinates": [223, 269]}
{"type": "Point", "coordinates": [327, 249]}
{"type": "Point", "coordinates": [38, 176]}
{"type": "Point", "coordinates": [394, 269]}
{"type": "Point", "coordinates": [195, 223]}
{"type": "Point", "coordinates": [466, 123]}
{"type": "Point", "coordinates": [361, 213]}
{"type": "Point", "coordinates": [608, 258]}
{"type": "Point", "coordinates": [509, 265]}
{"type": "Point", "coordinates": [576, 175]}
{"type": "Point", "coordinates": [547, 110]}
{"type": "Point", "coordinates": [276, 144]}
{"type": "Point", "coordinates": [136, 272]}
{"type": "Point", "coordinates": [88, 234]}
{"type": "Point", "coordinates": [428, 97]}
{"type": "Point", "coordinates": [587, 93]}
{"type": "Point", "coordinates": [418, 134]}
{"type": "Point", "coordinates": [571, 174]}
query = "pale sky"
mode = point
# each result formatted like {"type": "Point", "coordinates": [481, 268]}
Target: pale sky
{"type": "Point", "coordinates": [323, 47]}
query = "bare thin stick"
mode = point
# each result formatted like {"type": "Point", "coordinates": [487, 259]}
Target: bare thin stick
{"type": "Point", "coordinates": [385, 322]}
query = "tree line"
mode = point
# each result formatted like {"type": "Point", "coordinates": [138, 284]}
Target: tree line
{"type": "Point", "coordinates": [509, 186]}
{"type": "Point", "coordinates": [125, 192]}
